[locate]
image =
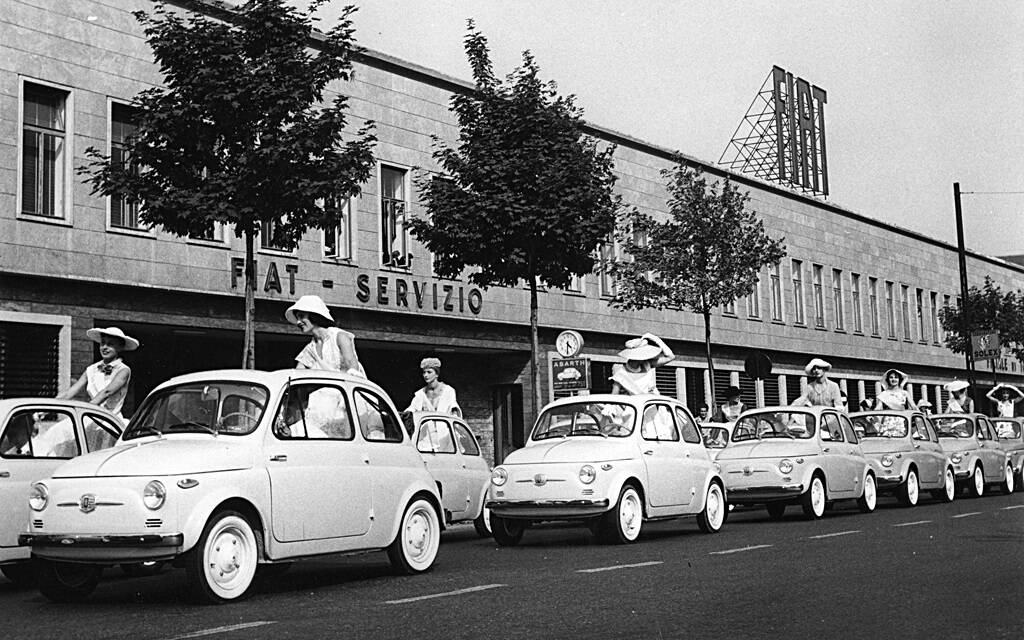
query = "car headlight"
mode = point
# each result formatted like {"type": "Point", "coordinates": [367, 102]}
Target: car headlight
{"type": "Point", "coordinates": [786, 466]}
{"type": "Point", "coordinates": [154, 494]}
{"type": "Point", "coordinates": [38, 496]}
{"type": "Point", "coordinates": [499, 476]}
{"type": "Point", "coordinates": [956, 458]}
{"type": "Point", "coordinates": [886, 460]}
{"type": "Point", "coordinates": [587, 474]}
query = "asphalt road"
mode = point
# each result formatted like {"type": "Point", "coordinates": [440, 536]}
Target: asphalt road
{"type": "Point", "coordinates": [934, 571]}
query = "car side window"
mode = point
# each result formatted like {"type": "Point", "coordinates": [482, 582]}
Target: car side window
{"type": "Point", "coordinates": [983, 432]}
{"type": "Point", "coordinates": [315, 412]}
{"type": "Point", "coordinates": [690, 431]}
{"type": "Point", "coordinates": [658, 424]}
{"type": "Point", "coordinates": [830, 429]}
{"type": "Point", "coordinates": [917, 429]}
{"type": "Point", "coordinates": [435, 437]}
{"type": "Point", "coordinates": [377, 422]}
{"type": "Point", "coordinates": [39, 434]}
{"type": "Point", "coordinates": [851, 434]}
{"type": "Point", "coordinates": [467, 443]}
{"type": "Point", "coordinates": [100, 432]}
{"type": "Point", "coordinates": [930, 430]}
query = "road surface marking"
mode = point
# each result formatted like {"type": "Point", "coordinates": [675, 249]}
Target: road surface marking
{"type": "Point", "coordinates": [756, 546]}
{"type": "Point", "coordinates": [227, 629]}
{"type": "Point", "coordinates": [832, 535]}
{"type": "Point", "coordinates": [620, 566]}
{"type": "Point", "coordinates": [910, 524]}
{"type": "Point", "coordinates": [1016, 506]}
{"type": "Point", "coordinates": [964, 515]}
{"type": "Point", "coordinates": [457, 592]}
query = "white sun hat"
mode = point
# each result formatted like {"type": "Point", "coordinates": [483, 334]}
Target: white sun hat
{"type": "Point", "coordinates": [956, 385]}
{"type": "Point", "coordinates": [309, 304]}
{"type": "Point", "coordinates": [130, 343]}
{"type": "Point", "coordinates": [817, 362]}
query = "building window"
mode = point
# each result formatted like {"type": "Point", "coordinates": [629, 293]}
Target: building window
{"type": "Point", "coordinates": [338, 241]}
{"type": "Point", "coordinates": [858, 325]}
{"type": "Point", "coordinates": [775, 274]}
{"type": "Point", "coordinates": [575, 284]}
{"type": "Point", "coordinates": [890, 308]}
{"type": "Point", "coordinates": [905, 308]}
{"type": "Point", "coordinates": [819, 297]}
{"type": "Point", "coordinates": [124, 214]}
{"type": "Point", "coordinates": [729, 308]}
{"type": "Point", "coordinates": [394, 207]}
{"type": "Point", "coordinates": [754, 300]}
{"type": "Point", "coordinates": [935, 316]}
{"type": "Point", "coordinates": [837, 299]}
{"type": "Point", "coordinates": [213, 232]}
{"type": "Point", "coordinates": [798, 292]}
{"type": "Point", "coordinates": [43, 155]}
{"type": "Point", "coordinates": [607, 255]}
{"type": "Point", "coordinates": [873, 304]}
{"type": "Point", "coordinates": [270, 237]}
{"type": "Point", "coordinates": [922, 334]}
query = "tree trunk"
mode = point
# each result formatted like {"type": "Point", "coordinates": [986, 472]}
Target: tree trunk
{"type": "Point", "coordinates": [707, 352]}
{"type": "Point", "coordinates": [536, 402]}
{"type": "Point", "coordinates": [249, 344]}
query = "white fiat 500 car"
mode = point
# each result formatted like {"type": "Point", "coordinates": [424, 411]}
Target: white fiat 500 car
{"type": "Point", "coordinates": [978, 457]}
{"type": "Point", "coordinates": [37, 435]}
{"type": "Point", "coordinates": [796, 455]}
{"type": "Point", "coordinates": [611, 461]}
{"type": "Point", "coordinates": [223, 470]}
{"type": "Point", "coordinates": [904, 452]}
{"type": "Point", "coordinates": [454, 459]}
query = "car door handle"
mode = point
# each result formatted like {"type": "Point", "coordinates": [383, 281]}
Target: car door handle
{"type": "Point", "coordinates": [5, 474]}
{"type": "Point", "coordinates": [917, 446]}
{"type": "Point", "coordinates": [366, 459]}
{"type": "Point", "coordinates": [826, 449]}
{"type": "Point", "coordinates": [648, 453]}
{"type": "Point", "coordinates": [279, 458]}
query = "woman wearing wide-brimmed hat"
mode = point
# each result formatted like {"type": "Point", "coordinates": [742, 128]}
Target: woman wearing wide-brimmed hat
{"type": "Point", "coordinates": [643, 355]}
{"type": "Point", "coordinates": [820, 392]}
{"type": "Point", "coordinates": [106, 381]}
{"type": "Point", "coordinates": [1004, 396]}
{"type": "Point", "coordinates": [730, 410]}
{"type": "Point", "coordinates": [329, 347]}
{"type": "Point", "coordinates": [435, 395]}
{"type": "Point", "coordinates": [894, 394]}
{"type": "Point", "coordinates": [959, 401]}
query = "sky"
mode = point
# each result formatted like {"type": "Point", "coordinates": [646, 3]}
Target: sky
{"type": "Point", "coordinates": [920, 94]}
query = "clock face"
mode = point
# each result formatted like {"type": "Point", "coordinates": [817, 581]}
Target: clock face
{"type": "Point", "coordinates": [568, 343]}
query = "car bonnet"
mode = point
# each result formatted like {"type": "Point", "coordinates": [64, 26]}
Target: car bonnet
{"type": "Point", "coordinates": [770, 448]}
{"type": "Point", "coordinates": [574, 449]}
{"type": "Point", "coordinates": [161, 457]}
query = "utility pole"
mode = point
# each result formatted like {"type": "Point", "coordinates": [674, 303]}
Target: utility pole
{"type": "Point", "coordinates": [962, 254]}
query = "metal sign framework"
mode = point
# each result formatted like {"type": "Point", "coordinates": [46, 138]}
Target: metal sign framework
{"type": "Point", "coordinates": [782, 136]}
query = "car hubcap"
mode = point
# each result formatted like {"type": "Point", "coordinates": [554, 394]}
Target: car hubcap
{"type": "Point", "coordinates": [950, 485]}
{"type": "Point", "coordinates": [1009, 479]}
{"type": "Point", "coordinates": [229, 554]}
{"type": "Point", "coordinates": [979, 480]}
{"type": "Point", "coordinates": [630, 515]}
{"type": "Point", "coordinates": [912, 488]}
{"type": "Point", "coordinates": [870, 494]}
{"type": "Point", "coordinates": [418, 535]}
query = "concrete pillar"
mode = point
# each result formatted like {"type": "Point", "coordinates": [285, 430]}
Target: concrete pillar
{"type": "Point", "coordinates": [681, 384]}
{"type": "Point", "coordinates": [783, 391]}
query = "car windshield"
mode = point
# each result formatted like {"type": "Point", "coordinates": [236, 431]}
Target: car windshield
{"type": "Point", "coordinates": [230, 408]}
{"type": "Point", "coordinates": [607, 419]}
{"type": "Point", "coordinates": [881, 426]}
{"type": "Point", "coordinates": [1007, 429]}
{"type": "Point", "coordinates": [715, 437]}
{"type": "Point", "coordinates": [954, 427]}
{"type": "Point", "coordinates": [774, 424]}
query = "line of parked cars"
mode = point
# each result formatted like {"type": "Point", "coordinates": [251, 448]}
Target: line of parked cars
{"type": "Point", "coordinates": [230, 474]}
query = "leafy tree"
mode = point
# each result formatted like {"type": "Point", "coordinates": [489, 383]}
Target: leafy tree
{"type": "Point", "coordinates": [708, 253]}
{"type": "Point", "coordinates": [524, 195]}
{"type": "Point", "coordinates": [986, 309]}
{"type": "Point", "coordinates": [239, 133]}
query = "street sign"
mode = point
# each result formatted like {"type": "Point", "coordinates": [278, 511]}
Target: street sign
{"type": "Point", "coordinates": [985, 345]}
{"type": "Point", "coordinates": [758, 366]}
{"type": "Point", "coordinates": [571, 374]}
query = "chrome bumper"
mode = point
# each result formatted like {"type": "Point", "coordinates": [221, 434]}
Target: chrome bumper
{"type": "Point", "coordinates": [100, 548]}
{"type": "Point", "coordinates": [749, 495]}
{"type": "Point", "coordinates": [547, 509]}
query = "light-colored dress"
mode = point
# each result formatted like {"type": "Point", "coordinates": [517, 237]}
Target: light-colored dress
{"type": "Point", "coordinates": [1005, 408]}
{"type": "Point", "coordinates": [329, 357]}
{"type": "Point", "coordinates": [894, 399]}
{"type": "Point", "coordinates": [823, 394]}
{"type": "Point", "coordinates": [634, 382]}
{"type": "Point", "coordinates": [97, 380]}
{"type": "Point", "coordinates": [954, 406]}
{"type": "Point", "coordinates": [446, 401]}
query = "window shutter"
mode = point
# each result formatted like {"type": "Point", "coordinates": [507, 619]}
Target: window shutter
{"type": "Point", "coordinates": [29, 356]}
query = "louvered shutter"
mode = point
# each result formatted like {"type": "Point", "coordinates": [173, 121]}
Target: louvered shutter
{"type": "Point", "coordinates": [29, 357]}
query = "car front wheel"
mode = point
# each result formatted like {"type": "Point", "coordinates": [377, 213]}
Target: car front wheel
{"type": "Point", "coordinates": [415, 545]}
{"type": "Point", "coordinates": [976, 485]}
{"type": "Point", "coordinates": [66, 581]}
{"type": "Point", "coordinates": [948, 491]}
{"type": "Point", "coordinates": [1007, 485]}
{"type": "Point", "coordinates": [910, 490]}
{"type": "Point", "coordinates": [813, 500]}
{"type": "Point", "coordinates": [222, 565]}
{"type": "Point", "coordinates": [507, 532]}
{"type": "Point", "coordinates": [711, 519]}
{"type": "Point", "coordinates": [622, 524]}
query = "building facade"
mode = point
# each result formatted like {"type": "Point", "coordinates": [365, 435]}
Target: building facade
{"type": "Point", "coordinates": [863, 294]}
